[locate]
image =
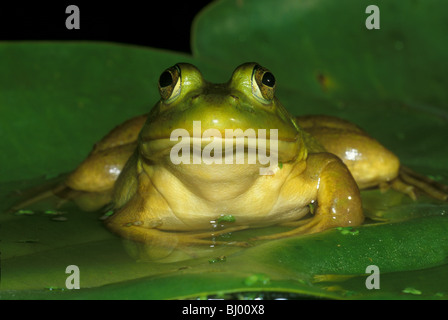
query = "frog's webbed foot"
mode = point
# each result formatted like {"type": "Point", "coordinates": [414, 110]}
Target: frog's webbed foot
{"type": "Point", "coordinates": [41, 193]}
{"type": "Point", "coordinates": [302, 227]}
{"type": "Point", "coordinates": [59, 194]}
{"type": "Point", "coordinates": [173, 239]}
{"type": "Point", "coordinates": [198, 238]}
{"type": "Point", "coordinates": [409, 181]}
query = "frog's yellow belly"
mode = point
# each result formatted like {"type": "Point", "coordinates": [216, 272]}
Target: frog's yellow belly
{"type": "Point", "coordinates": [253, 200]}
{"type": "Point", "coordinates": [209, 219]}
{"type": "Point", "coordinates": [204, 219]}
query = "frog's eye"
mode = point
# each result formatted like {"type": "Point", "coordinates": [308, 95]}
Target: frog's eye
{"type": "Point", "coordinates": [169, 83]}
{"type": "Point", "coordinates": [263, 83]}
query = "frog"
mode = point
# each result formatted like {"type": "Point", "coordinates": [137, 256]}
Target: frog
{"type": "Point", "coordinates": [313, 183]}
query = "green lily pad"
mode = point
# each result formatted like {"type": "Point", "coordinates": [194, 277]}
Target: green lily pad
{"type": "Point", "coordinates": [57, 99]}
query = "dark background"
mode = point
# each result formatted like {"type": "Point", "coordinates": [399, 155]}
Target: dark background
{"type": "Point", "coordinates": [161, 24]}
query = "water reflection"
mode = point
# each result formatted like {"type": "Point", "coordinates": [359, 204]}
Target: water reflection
{"type": "Point", "coordinates": [178, 246]}
{"type": "Point", "coordinates": [215, 248]}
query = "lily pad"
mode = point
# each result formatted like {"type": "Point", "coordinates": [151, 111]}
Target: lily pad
{"type": "Point", "coordinates": [57, 99]}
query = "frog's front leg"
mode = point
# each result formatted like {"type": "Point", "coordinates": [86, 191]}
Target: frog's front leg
{"type": "Point", "coordinates": [337, 196]}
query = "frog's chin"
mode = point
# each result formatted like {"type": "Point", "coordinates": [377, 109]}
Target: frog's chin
{"type": "Point", "coordinates": [221, 150]}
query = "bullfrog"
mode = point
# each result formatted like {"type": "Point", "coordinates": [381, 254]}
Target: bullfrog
{"type": "Point", "coordinates": [207, 151]}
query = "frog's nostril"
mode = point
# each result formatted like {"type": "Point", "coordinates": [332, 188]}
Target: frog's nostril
{"type": "Point", "coordinates": [234, 97]}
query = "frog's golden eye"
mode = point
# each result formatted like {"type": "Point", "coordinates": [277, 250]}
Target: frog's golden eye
{"type": "Point", "coordinates": [169, 83]}
{"type": "Point", "coordinates": [263, 83]}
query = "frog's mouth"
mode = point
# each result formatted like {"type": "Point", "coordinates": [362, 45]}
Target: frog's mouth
{"type": "Point", "coordinates": [218, 150]}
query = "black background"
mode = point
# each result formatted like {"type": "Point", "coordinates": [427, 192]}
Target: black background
{"type": "Point", "coordinates": [160, 24]}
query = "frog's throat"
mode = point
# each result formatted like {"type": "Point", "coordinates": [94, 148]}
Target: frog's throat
{"type": "Point", "coordinates": [281, 149]}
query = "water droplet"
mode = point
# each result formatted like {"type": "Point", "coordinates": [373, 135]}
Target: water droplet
{"type": "Point", "coordinates": [24, 212]}
{"type": "Point", "coordinates": [412, 291]}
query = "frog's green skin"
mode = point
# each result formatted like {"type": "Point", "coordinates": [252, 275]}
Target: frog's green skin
{"type": "Point", "coordinates": [157, 201]}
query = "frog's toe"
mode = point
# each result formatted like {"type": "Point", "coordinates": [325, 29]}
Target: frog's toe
{"type": "Point", "coordinates": [193, 238]}
{"type": "Point", "coordinates": [398, 185]}
{"type": "Point", "coordinates": [408, 181]}
{"type": "Point", "coordinates": [308, 226]}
